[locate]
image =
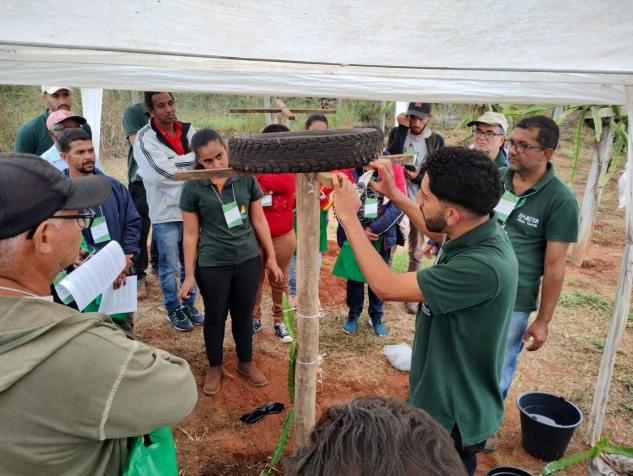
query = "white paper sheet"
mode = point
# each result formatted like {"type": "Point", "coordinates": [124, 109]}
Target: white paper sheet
{"type": "Point", "coordinates": [92, 277]}
{"type": "Point", "coordinates": [115, 301]}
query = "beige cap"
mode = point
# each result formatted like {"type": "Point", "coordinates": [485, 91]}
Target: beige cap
{"type": "Point", "coordinates": [54, 89]}
{"type": "Point", "coordinates": [492, 119]}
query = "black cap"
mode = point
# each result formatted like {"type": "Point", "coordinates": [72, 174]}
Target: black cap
{"type": "Point", "coordinates": [419, 109]}
{"type": "Point", "coordinates": [32, 190]}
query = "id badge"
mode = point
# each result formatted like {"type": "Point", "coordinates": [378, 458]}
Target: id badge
{"type": "Point", "coordinates": [505, 206]}
{"type": "Point", "coordinates": [232, 214]}
{"type": "Point", "coordinates": [371, 208]}
{"type": "Point", "coordinates": [412, 151]}
{"type": "Point", "coordinates": [99, 230]}
{"type": "Point", "coordinates": [267, 200]}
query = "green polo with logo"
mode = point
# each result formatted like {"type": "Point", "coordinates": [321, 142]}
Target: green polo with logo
{"type": "Point", "coordinates": [135, 117]}
{"type": "Point", "coordinates": [460, 332]}
{"type": "Point", "coordinates": [220, 245]}
{"type": "Point", "coordinates": [32, 136]}
{"type": "Point", "coordinates": [547, 211]}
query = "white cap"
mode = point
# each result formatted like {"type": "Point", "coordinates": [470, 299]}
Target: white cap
{"type": "Point", "coordinates": [492, 119]}
{"type": "Point", "coordinates": [54, 89]}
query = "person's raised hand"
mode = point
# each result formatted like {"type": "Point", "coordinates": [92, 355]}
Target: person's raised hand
{"type": "Point", "coordinates": [387, 184]}
{"type": "Point", "coordinates": [346, 200]}
{"type": "Point", "coordinates": [402, 119]}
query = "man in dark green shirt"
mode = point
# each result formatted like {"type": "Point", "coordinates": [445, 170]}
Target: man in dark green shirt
{"type": "Point", "coordinates": [134, 118]}
{"type": "Point", "coordinates": [32, 137]}
{"type": "Point", "coordinates": [540, 216]}
{"type": "Point", "coordinates": [489, 136]}
{"type": "Point", "coordinates": [467, 296]}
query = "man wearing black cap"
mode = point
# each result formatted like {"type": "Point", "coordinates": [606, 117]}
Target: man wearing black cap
{"type": "Point", "coordinates": [73, 388]}
{"type": "Point", "coordinates": [413, 136]}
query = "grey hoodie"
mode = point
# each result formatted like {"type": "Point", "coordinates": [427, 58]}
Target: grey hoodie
{"type": "Point", "coordinates": [73, 389]}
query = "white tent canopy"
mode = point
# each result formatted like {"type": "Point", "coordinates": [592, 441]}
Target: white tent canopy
{"type": "Point", "coordinates": [465, 51]}
{"type": "Point", "coordinates": [483, 51]}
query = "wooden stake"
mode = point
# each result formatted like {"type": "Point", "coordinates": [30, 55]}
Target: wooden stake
{"type": "Point", "coordinates": [593, 193]}
{"type": "Point", "coordinates": [307, 305]}
{"type": "Point", "coordinates": [622, 300]}
{"type": "Point", "coordinates": [208, 174]}
{"type": "Point", "coordinates": [246, 110]}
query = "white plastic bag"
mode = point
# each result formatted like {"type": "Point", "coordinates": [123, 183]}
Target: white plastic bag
{"type": "Point", "coordinates": [399, 356]}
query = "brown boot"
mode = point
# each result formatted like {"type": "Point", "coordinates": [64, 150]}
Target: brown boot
{"type": "Point", "coordinates": [252, 374]}
{"type": "Point", "coordinates": [213, 380]}
{"type": "Point", "coordinates": [141, 288]}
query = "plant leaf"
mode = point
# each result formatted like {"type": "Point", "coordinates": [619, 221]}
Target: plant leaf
{"type": "Point", "coordinates": [577, 143]}
{"type": "Point", "coordinates": [292, 364]}
{"type": "Point", "coordinates": [283, 440]}
{"type": "Point", "coordinates": [289, 315]}
{"type": "Point", "coordinates": [597, 122]}
{"type": "Point", "coordinates": [575, 459]}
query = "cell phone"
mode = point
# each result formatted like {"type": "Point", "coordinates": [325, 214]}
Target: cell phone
{"type": "Point", "coordinates": [411, 168]}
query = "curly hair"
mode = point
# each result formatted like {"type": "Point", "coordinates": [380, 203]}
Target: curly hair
{"type": "Point", "coordinates": [464, 177]}
{"type": "Point", "coordinates": [375, 435]}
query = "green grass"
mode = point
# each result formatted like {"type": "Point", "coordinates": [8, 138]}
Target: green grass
{"type": "Point", "coordinates": [400, 262]}
{"type": "Point", "coordinates": [587, 300]}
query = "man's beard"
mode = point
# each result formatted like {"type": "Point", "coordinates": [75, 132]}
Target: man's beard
{"type": "Point", "coordinates": [436, 225]}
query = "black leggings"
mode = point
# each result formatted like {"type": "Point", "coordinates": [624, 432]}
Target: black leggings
{"type": "Point", "coordinates": [223, 289]}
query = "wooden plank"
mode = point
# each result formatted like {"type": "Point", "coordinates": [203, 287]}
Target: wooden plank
{"type": "Point", "coordinates": [622, 301]}
{"type": "Point", "coordinates": [208, 174]}
{"type": "Point", "coordinates": [247, 110]}
{"type": "Point", "coordinates": [307, 306]}
{"type": "Point", "coordinates": [287, 113]}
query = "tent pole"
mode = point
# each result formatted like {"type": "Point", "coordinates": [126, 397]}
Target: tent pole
{"type": "Point", "coordinates": [622, 299]}
{"type": "Point", "coordinates": [307, 314]}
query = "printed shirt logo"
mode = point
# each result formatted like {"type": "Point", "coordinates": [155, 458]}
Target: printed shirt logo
{"type": "Point", "coordinates": [425, 310]}
{"type": "Point", "coordinates": [528, 220]}
{"type": "Point", "coordinates": [243, 212]}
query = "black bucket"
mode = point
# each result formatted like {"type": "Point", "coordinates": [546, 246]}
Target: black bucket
{"type": "Point", "coordinates": [507, 471]}
{"type": "Point", "coordinates": [547, 424]}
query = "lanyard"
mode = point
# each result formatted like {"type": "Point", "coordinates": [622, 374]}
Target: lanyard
{"type": "Point", "coordinates": [218, 195]}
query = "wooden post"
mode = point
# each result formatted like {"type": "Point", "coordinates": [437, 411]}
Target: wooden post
{"type": "Point", "coordinates": [593, 193]}
{"type": "Point", "coordinates": [307, 305]}
{"type": "Point", "coordinates": [285, 115]}
{"type": "Point", "coordinates": [622, 299]}
{"type": "Point", "coordinates": [268, 117]}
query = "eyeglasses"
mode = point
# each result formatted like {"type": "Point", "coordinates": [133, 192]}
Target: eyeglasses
{"type": "Point", "coordinates": [486, 134]}
{"type": "Point", "coordinates": [260, 412]}
{"type": "Point", "coordinates": [522, 147]}
{"type": "Point", "coordinates": [84, 220]}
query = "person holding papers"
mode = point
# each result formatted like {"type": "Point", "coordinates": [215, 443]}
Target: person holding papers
{"type": "Point", "coordinates": [223, 227]}
{"type": "Point", "coordinates": [115, 219]}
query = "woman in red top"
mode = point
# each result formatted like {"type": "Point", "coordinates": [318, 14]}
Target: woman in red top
{"type": "Point", "coordinates": [278, 203]}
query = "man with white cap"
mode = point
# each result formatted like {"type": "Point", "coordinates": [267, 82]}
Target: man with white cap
{"type": "Point", "coordinates": [56, 123]}
{"type": "Point", "coordinates": [32, 136]}
{"type": "Point", "coordinates": [489, 135]}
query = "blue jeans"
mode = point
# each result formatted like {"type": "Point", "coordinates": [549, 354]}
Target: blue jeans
{"type": "Point", "coordinates": [292, 274]}
{"type": "Point", "coordinates": [356, 297]}
{"type": "Point", "coordinates": [168, 238]}
{"type": "Point", "coordinates": [514, 345]}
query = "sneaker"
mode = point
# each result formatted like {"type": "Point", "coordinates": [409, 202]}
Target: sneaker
{"type": "Point", "coordinates": [379, 328]}
{"type": "Point", "coordinates": [257, 326]}
{"type": "Point", "coordinates": [195, 316]}
{"type": "Point", "coordinates": [282, 333]}
{"type": "Point", "coordinates": [179, 320]}
{"type": "Point", "coordinates": [350, 325]}
{"type": "Point", "coordinates": [411, 307]}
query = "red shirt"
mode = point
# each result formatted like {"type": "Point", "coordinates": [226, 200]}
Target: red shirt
{"type": "Point", "coordinates": [279, 215]}
{"type": "Point", "coordinates": [174, 140]}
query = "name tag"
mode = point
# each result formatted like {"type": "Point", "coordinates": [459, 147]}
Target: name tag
{"type": "Point", "coordinates": [505, 206]}
{"type": "Point", "coordinates": [232, 215]}
{"type": "Point", "coordinates": [371, 208]}
{"type": "Point", "coordinates": [99, 230]}
{"type": "Point", "coordinates": [267, 200]}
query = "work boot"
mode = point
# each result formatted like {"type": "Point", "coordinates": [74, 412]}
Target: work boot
{"type": "Point", "coordinates": [252, 374]}
{"type": "Point", "coordinates": [411, 307]}
{"type": "Point", "coordinates": [141, 288]}
{"type": "Point", "coordinates": [213, 380]}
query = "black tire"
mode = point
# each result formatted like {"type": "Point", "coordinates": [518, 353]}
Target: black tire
{"type": "Point", "coordinates": [305, 151]}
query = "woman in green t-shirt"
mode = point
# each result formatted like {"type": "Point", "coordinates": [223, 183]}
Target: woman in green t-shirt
{"type": "Point", "coordinates": [223, 221]}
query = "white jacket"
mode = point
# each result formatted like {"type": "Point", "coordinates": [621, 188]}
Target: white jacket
{"type": "Point", "coordinates": [157, 162]}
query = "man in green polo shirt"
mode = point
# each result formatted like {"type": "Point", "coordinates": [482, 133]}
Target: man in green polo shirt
{"type": "Point", "coordinates": [32, 137]}
{"type": "Point", "coordinates": [489, 136]}
{"type": "Point", "coordinates": [467, 297]}
{"type": "Point", "coordinates": [540, 216]}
